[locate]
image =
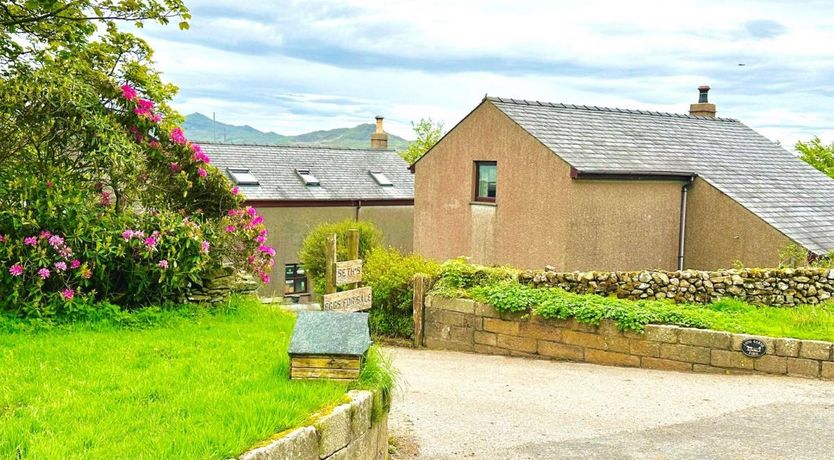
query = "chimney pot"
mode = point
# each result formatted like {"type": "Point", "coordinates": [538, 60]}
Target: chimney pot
{"type": "Point", "coordinates": [703, 108]}
{"type": "Point", "coordinates": [379, 139]}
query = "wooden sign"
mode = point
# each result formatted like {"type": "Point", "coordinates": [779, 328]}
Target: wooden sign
{"type": "Point", "coordinates": [348, 272]}
{"type": "Point", "coordinates": [353, 300]}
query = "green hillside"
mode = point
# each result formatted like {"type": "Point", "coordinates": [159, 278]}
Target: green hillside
{"type": "Point", "coordinates": [199, 128]}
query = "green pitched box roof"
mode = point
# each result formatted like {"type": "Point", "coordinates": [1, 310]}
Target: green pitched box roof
{"type": "Point", "coordinates": [330, 333]}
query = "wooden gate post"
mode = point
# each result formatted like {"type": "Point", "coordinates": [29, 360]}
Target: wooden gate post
{"type": "Point", "coordinates": [330, 264]}
{"type": "Point", "coordinates": [421, 283]}
{"type": "Point", "coordinates": [353, 249]}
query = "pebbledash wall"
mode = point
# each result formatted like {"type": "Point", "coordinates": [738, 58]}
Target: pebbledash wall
{"type": "Point", "coordinates": [778, 287]}
{"type": "Point", "coordinates": [466, 325]}
{"type": "Point", "coordinates": [346, 432]}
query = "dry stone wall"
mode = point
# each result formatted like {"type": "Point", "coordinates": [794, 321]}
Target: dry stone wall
{"type": "Point", "coordinates": [466, 325]}
{"type": "Point", "coordinates": [778, 287]}
{"type": "Point", "coordinates": [346, 432]}
{"type": "Point", "coordinates": [221, 284]}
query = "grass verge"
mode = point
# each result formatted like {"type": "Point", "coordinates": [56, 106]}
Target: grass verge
{"type": "Point", "coordinates": [814, 322]}
{"type": "Point", "coordinates": [183, 383]}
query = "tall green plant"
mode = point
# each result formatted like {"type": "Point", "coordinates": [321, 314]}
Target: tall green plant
{"type": "Point", "coordinates": [312, 253]}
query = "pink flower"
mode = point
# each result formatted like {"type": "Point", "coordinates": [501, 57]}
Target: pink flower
{"type": "Point", "coordinates": [75, 264]}
{"type": "Point", "coordinates": [56, 241]}
{"type": "Point", "coordinates": [86, 274]}
{"type": "Point", "coordinates": [150, 242]}
{"type": "Point", "coordinates": [251, 211]}
{"type": "Point", "coordinates": [178, 137]}
{"type": "Point", "coordinates": [163, 264]}
{"type": "Point", "coordinates": [265, 278]}
{"type": "Point", "coordinates": [49, 184]}
{"type": "Point", "coordinates": [206, 246]}
{"type": "Point", "coordinates": [202, 172]}
{"type": "Point", "coordinates": [127, 234]}
{"type": "Point", "coordinates": [260, 239]}
{"type": "Point", "coordinates": [264, 232]}
{"type": "Point", "coordinates": [154, 144]}
{"type": "Point", "coordinates": [257, 220]}
{"type": "Point", "coordinates": [230, 228]}
{"type": "Point", "coordinates": [30, 241]}
{"type": "Point", "coordinates": [251, 260]}
{"type": "Point", "coordinates": [65, 252]}
{"type": "Point", "coordinates": [143, 108]}
{"type": "Point", "coordinates": [175, 167]}
{"type": "Point", "coordinates": [156, 118]}
{"type": "Point", "coordinates": [2, 238]}
{"type": "Point", "coordinates": [60, 266]}
{"type": "Point", "coordinates": [128, 92]}
{"type": "Point", "coordinates": [68, 293]}
{"type": "Point", "coordinates": [235, 190]}
{"type": "Point", "coordinates": [105, 199]}
{"type": "Point", "coordinates": [43, 273]}
{"type": "Point", "coordinates": [16, 270]}
{"type": "Point", "coordinates": [45, 235]}
{"type": "Point", "coordinates": [267, 250]}
{"type": "Point", "coordinates": [232, 212]}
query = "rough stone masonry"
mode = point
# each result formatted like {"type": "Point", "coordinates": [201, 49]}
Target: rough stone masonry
{"type": "Point", "coordinates": [778, 287]}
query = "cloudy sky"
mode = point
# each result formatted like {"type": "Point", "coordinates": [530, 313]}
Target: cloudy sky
{"type": "Point", "coordinates": [297, 66]}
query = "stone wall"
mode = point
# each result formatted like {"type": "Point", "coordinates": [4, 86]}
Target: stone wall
{"type": "Point", "coordinates": [466, 325]}
{"type": "Point", "coordinates": [778, 287]}
{"type": "Point", "coordinates": [343, 433]}
{"type": "Point", "coordinates": [221, 284]}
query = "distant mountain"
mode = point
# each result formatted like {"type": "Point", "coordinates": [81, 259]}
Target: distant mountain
{"type": "Point", "coordinates": [199, 128]}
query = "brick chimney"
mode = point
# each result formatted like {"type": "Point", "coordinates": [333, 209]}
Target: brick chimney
{"type": "Point", "coordinates": [703, 108]}
{"type": "Point", "coordinates": [379, 139]}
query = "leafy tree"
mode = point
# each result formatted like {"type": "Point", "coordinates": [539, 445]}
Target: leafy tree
{"type": "Point", "coordinates": [428, 133]}
{"type": "Point", "coordinates": [817, 154]}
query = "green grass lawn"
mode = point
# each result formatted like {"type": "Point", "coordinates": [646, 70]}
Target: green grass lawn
{"type": "Point", "coordinates": [184, 385]}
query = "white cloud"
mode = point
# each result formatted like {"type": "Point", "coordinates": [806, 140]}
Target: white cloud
{"type": "Point", "coordinates": [297, 66]}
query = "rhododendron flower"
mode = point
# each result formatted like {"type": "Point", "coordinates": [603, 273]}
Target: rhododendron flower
{"type": "Point", "coordinates": [260, 239]}
{"type": "Point", "coordinates": [235, 190]}
{"type": "Point", "coordinates": [56, 241]}
{"type": "Point", "coordinates": [127, 234]}
{"type": "Point", "coordinates": [43, 273]}
{"type": "Point", "coordinates": [86, 273]}
{"type": "Point", "coordinates": [163, 264]}
{"type": "Point", "coordinates": [150, 242]}
{"type": "Point", "coordinates": [49, 184]}
{"type": "Point", "coordinates": [251, 260]}
{"type": "Point", "coordinates": [75, 264]}
{"type": "Point", "coordinates": [257, 220]}
{"type": "Point", "coordinates": [30, 241]}
{"type": "Point", "coordinates": [175, 167]}
{"type": "Point", "coordinates": [267, 250]}
{"type": "Point", "coordinates": [265, 278]}
{"type": "Point", "coordinates": [201, 157]}
{"type": "Point", "coordinates": [45, 235]}
{"type": "Point", "coordinates": [264, 232]}
{"type": "Point", "coordinates": [128, 92]}
{"type": "Point", "coordinates": [143, 107]}
{"type": "Point", "coordinates": [68, 293]}
{"type": "Point", "coordinates": [202, 172]}
{"type": "Point", "coordinates": [178, 137]}
{"type": "Point", "coordinates": [16, 270]}
{"type": "Point", "coordinates": [60, 266]}
{"type": "Point", "coordinates": [154, 144]}
{"type": "Point", "coordinates": [156, 118]}
{"type": "Point", "coordinates": [230, 228]}
{"type": "Point", "coordinates": [206, 246]}
{"type": "Point", "coordinates": [65, 252]}
{"type": "Point", "coordinates": [2, 238]}
{"type": "Point", "coordinates": [233, 212]}
{"type": "Point", "coordinates": [251, 211]}
{"type": "Point", "coordinates": [105, 199]}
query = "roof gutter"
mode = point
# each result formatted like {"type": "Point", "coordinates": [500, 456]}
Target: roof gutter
{"type": "Point", "coordinates": [630, 175]}
{"type": "Point", "coordinates": [329, 203]}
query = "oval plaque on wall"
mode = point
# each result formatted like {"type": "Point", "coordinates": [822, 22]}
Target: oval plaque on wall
{"type": "Point", "coordinates": [753, 348]}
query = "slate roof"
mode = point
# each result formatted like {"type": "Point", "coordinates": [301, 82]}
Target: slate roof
{"type": "Point", "coordinates": [330, 333]}
{"type": "Point", "coordinates": [774, 184]}
{"type": "Point", "coordinates": [344, 174]}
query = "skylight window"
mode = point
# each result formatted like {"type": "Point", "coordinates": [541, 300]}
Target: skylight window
{"type": "Point", "coordinates": [381, 179]}
{"type": "Point", "coordinates": [308, 177]}
{"type": "Point", "coordinates": [243, 176]}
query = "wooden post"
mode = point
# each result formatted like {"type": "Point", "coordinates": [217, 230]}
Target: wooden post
{"type": "Point", "coordinates": [330, 264]}
{"type": "Point", "coordinates": [421, 283]}
{"type": "Point", "coordinates": [353, 249]}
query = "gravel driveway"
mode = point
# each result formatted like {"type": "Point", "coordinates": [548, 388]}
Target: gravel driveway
{"type": "Point", "coordinates": [458, 405]}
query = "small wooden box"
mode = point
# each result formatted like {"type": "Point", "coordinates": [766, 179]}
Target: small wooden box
{"type": "Point", "coordinates": [328, 345]}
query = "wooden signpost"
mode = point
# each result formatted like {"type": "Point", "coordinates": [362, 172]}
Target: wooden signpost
{"type": "Point", "coordinates": [331, 344]}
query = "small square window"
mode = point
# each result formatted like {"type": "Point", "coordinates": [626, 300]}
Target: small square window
{"type": "Point", "coordinates": [307, 177]}
{"type": "Point", "coordinates": [243, 176]}
{"type": "Point", "coordinates": [381, 179]}
{"type": "Point", "coordinates": [486, 175]}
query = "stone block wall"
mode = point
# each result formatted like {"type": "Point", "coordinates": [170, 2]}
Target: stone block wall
{"type": "Point", "coordinates": [221, 284]}
{"type": "Point", "coordinates": [345, 432]}
{"type": "Point", "coordinates": [778, 287]}
{"type": "Point", "coordinates": [466, 325]}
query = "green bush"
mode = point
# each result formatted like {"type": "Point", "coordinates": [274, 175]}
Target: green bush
{"type": "Point", "coordinates": [456, 276]}
{"type": "Point", "coordinates": [312, 249]}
